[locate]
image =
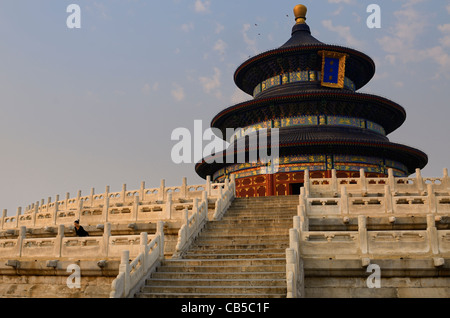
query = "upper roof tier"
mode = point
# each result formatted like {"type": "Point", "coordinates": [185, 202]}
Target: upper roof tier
{"type": "Point", "coordinates": [301, 53]}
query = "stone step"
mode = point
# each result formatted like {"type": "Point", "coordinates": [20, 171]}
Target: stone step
{"type": "Point", "coordinates": [223, 253]}
{"type": "Point", "coordinates": [273, 230]}
{"type": "Point", "coordinates": [223, 269]}
{"type": "Point", "coordinates": [267, 230]}
{"type": "Point", "coordinates": [243, 290]}
{"type": "Point", "coordinates": [207, 295]}
{"type": "Point", "coordinates": [219, 242]}
{"type": "Point", "coordinates": [224, 262]}
{"type": "Point", "coordinates": [218, 276]}
{"type": "Point", "coordinates": [247, 255]}
{"type": "Point", "coordinates": [215, 282]}
{"type": "Point", "coordinates": [242, 236]}
{"type": "Point", "coordinates": [260, 221]}
{"type": "Point", "coordinates": [258, 214]}
{"type": "Point", "coordinates": [240, 247]}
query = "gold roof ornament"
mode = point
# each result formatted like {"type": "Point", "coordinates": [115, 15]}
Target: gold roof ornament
{"type": "Point", "coordinates": [300, 13]}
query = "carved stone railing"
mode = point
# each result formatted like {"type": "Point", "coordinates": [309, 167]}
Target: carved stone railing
{"type": "Point", "coordinates": [295, 276]}
{"type": "Point", "coordinates": [132, 274]}
{"type": "Point", "coordinates": [142, 205]}
{"type": "Point", "coordinates": [225, 198]}
{"type": "Point", "coordinates": [105, 246]}
{"type": "Point", "coordinates": [362, 185]}
{"type": "Point", "coordinates": [412, 198]}
{"type": "Point", "coordinates": [380, 200]}
{"type": "Point", "coordinates": [192, 227]}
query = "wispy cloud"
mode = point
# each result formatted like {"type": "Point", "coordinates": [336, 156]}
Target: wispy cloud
{"type": "Point", "coordinates": [401, 45]}
{"type": "Point", "coordinates": [343, 32]}
{"type": "Point", "coordinates": [186, 27]}
{"type": "Point", "coordinates": [212, 85]}
{"type": "Point", "coordinates": [219, 28]}
{"type": "Point", "coordinates": [445, 29]}
{"type": "Point", "coordinates": [341, 1]}
{"type": "Point", "coordinates": [148, 88]}
{"type": "Point", "coordinates": [239, 96]}
{"type": "Point", "coordinates": [220, 46]}
{"type": "Point", "coordinates": [202, 6]}
{"type": "Point", "coordinates": [251, 43]}
{"type": "Point", "coordinates": [178, 92]}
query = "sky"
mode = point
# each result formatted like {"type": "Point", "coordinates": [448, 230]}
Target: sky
{"type": "Point", "coordinates": [95, 106]}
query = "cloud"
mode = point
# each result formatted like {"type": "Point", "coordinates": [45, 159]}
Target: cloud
{"type": "Point", "coordinates": [445, 29]}
{"type": "Point", "coordinates": [202, 6]}
{"type": "Point", "coordinates": [448, 9]}
{"type": "Point", "coordinates": [220, 48]}
{"type": "Point", "coordinates": [401, 45]}
{"type": "Point", "coordinates": [147, 89]}
{"type": "Point", "coordinates": [178, 93]}
{"type": "Point", "coordinates": [219, 28]}
{"type": "Point", "coordinates": [338, 11]}
{"type": "Point", "coordinates": [251, 43]}
{"type": "Point", "coordinates": [187, 27]}
{"type": "Point", "coordinates": [344, 33]}
{"type": "Point", "coordinates": [211, 85]}
{"type": "Point", "coordinates": [239, 96]}
{"type": "Point", "coordinates": [341, 1]}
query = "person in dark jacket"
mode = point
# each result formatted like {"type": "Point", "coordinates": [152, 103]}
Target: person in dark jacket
{"type": "Point", "coordinates": [79, 230]}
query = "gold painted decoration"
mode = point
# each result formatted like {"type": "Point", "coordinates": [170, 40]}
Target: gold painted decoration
{"type": "Point", "coordinates": [333, 69]}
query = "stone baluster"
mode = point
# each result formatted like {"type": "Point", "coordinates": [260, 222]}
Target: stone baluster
{"type": "Point", "coordinates": [432, 234]}
{"type": "Point", "coordinates": [391, 181]}
{"type": "Point", "coordinates": [56, 208]}
{"type": "Point", "coordinates": [363, 182]}
{"type": "Point", "coordinates": [184, 191]}
{"type": "Point", "coordinates": [59, 241]}
{"type": "Point", "coordinates": [125, 267]}
{"type": "Point", "coordinates": [135, 212]}
{"type": "Point", "coordinates": [22, 235]}
{"type": "Point", "coordinates": [105, 239]}
{"type": "Point", "coordinates": [79, 205]}
{"type": "Point", "coordinates": [432, 206]}
{"type": "Point", "coordinates": [19, 212]}
{"type": "Point", "coordinates": [91, 197]}
{"type": "Point", "coordinates": [49, 201]}
{"type": "Point", "coordinates": [419, 182]}
{"type": "Point", "coordinates": [307, 184]}
{"type": "Point", "coordinates": [67, 201]}
{"type": "Point", "coordinates": [446, 180]}
{"type": "Point", "coordinates": [344, 201]}
{"type": "Point", "coordinates": [34, 215]}
{"type": "Point", "coordinates": [123, 193]}
{"type": "Point", "coordinates": [169, 206]}
{"type": "Point", "coordinates": [362, 231]}
{"type": "Point", "coordinates": [105, 211]}
{"type": "Point", "coordinates": [208, 185]}
{"type": "Point", "coordinates": [388, 199]}
{"type": "Point", "coordinates": [142, 191]}
{"type": "Point", "coordinates": [162, 190]}
{"type": "Point", "coordinates": [334, 183]}
{"type": "Point", "coordinates": [4, 215]}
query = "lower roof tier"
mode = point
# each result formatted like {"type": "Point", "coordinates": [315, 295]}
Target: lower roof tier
{"type": "Point", "coordinates": [379, 110]}
{"type": "Point", "coordinates": [315, 163]}
{"type": "Point", "coordinates": [327, 141]}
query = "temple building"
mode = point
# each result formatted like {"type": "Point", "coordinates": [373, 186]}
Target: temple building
{"type": "Point", "coordinates": [307, 90]}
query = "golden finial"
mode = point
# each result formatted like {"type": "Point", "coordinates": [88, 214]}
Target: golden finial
{"type": "Point", "coordinates": [300, 13]}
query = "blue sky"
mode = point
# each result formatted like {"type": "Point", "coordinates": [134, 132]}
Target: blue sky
{"type": "Point", "coordinates": [96, 106]}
